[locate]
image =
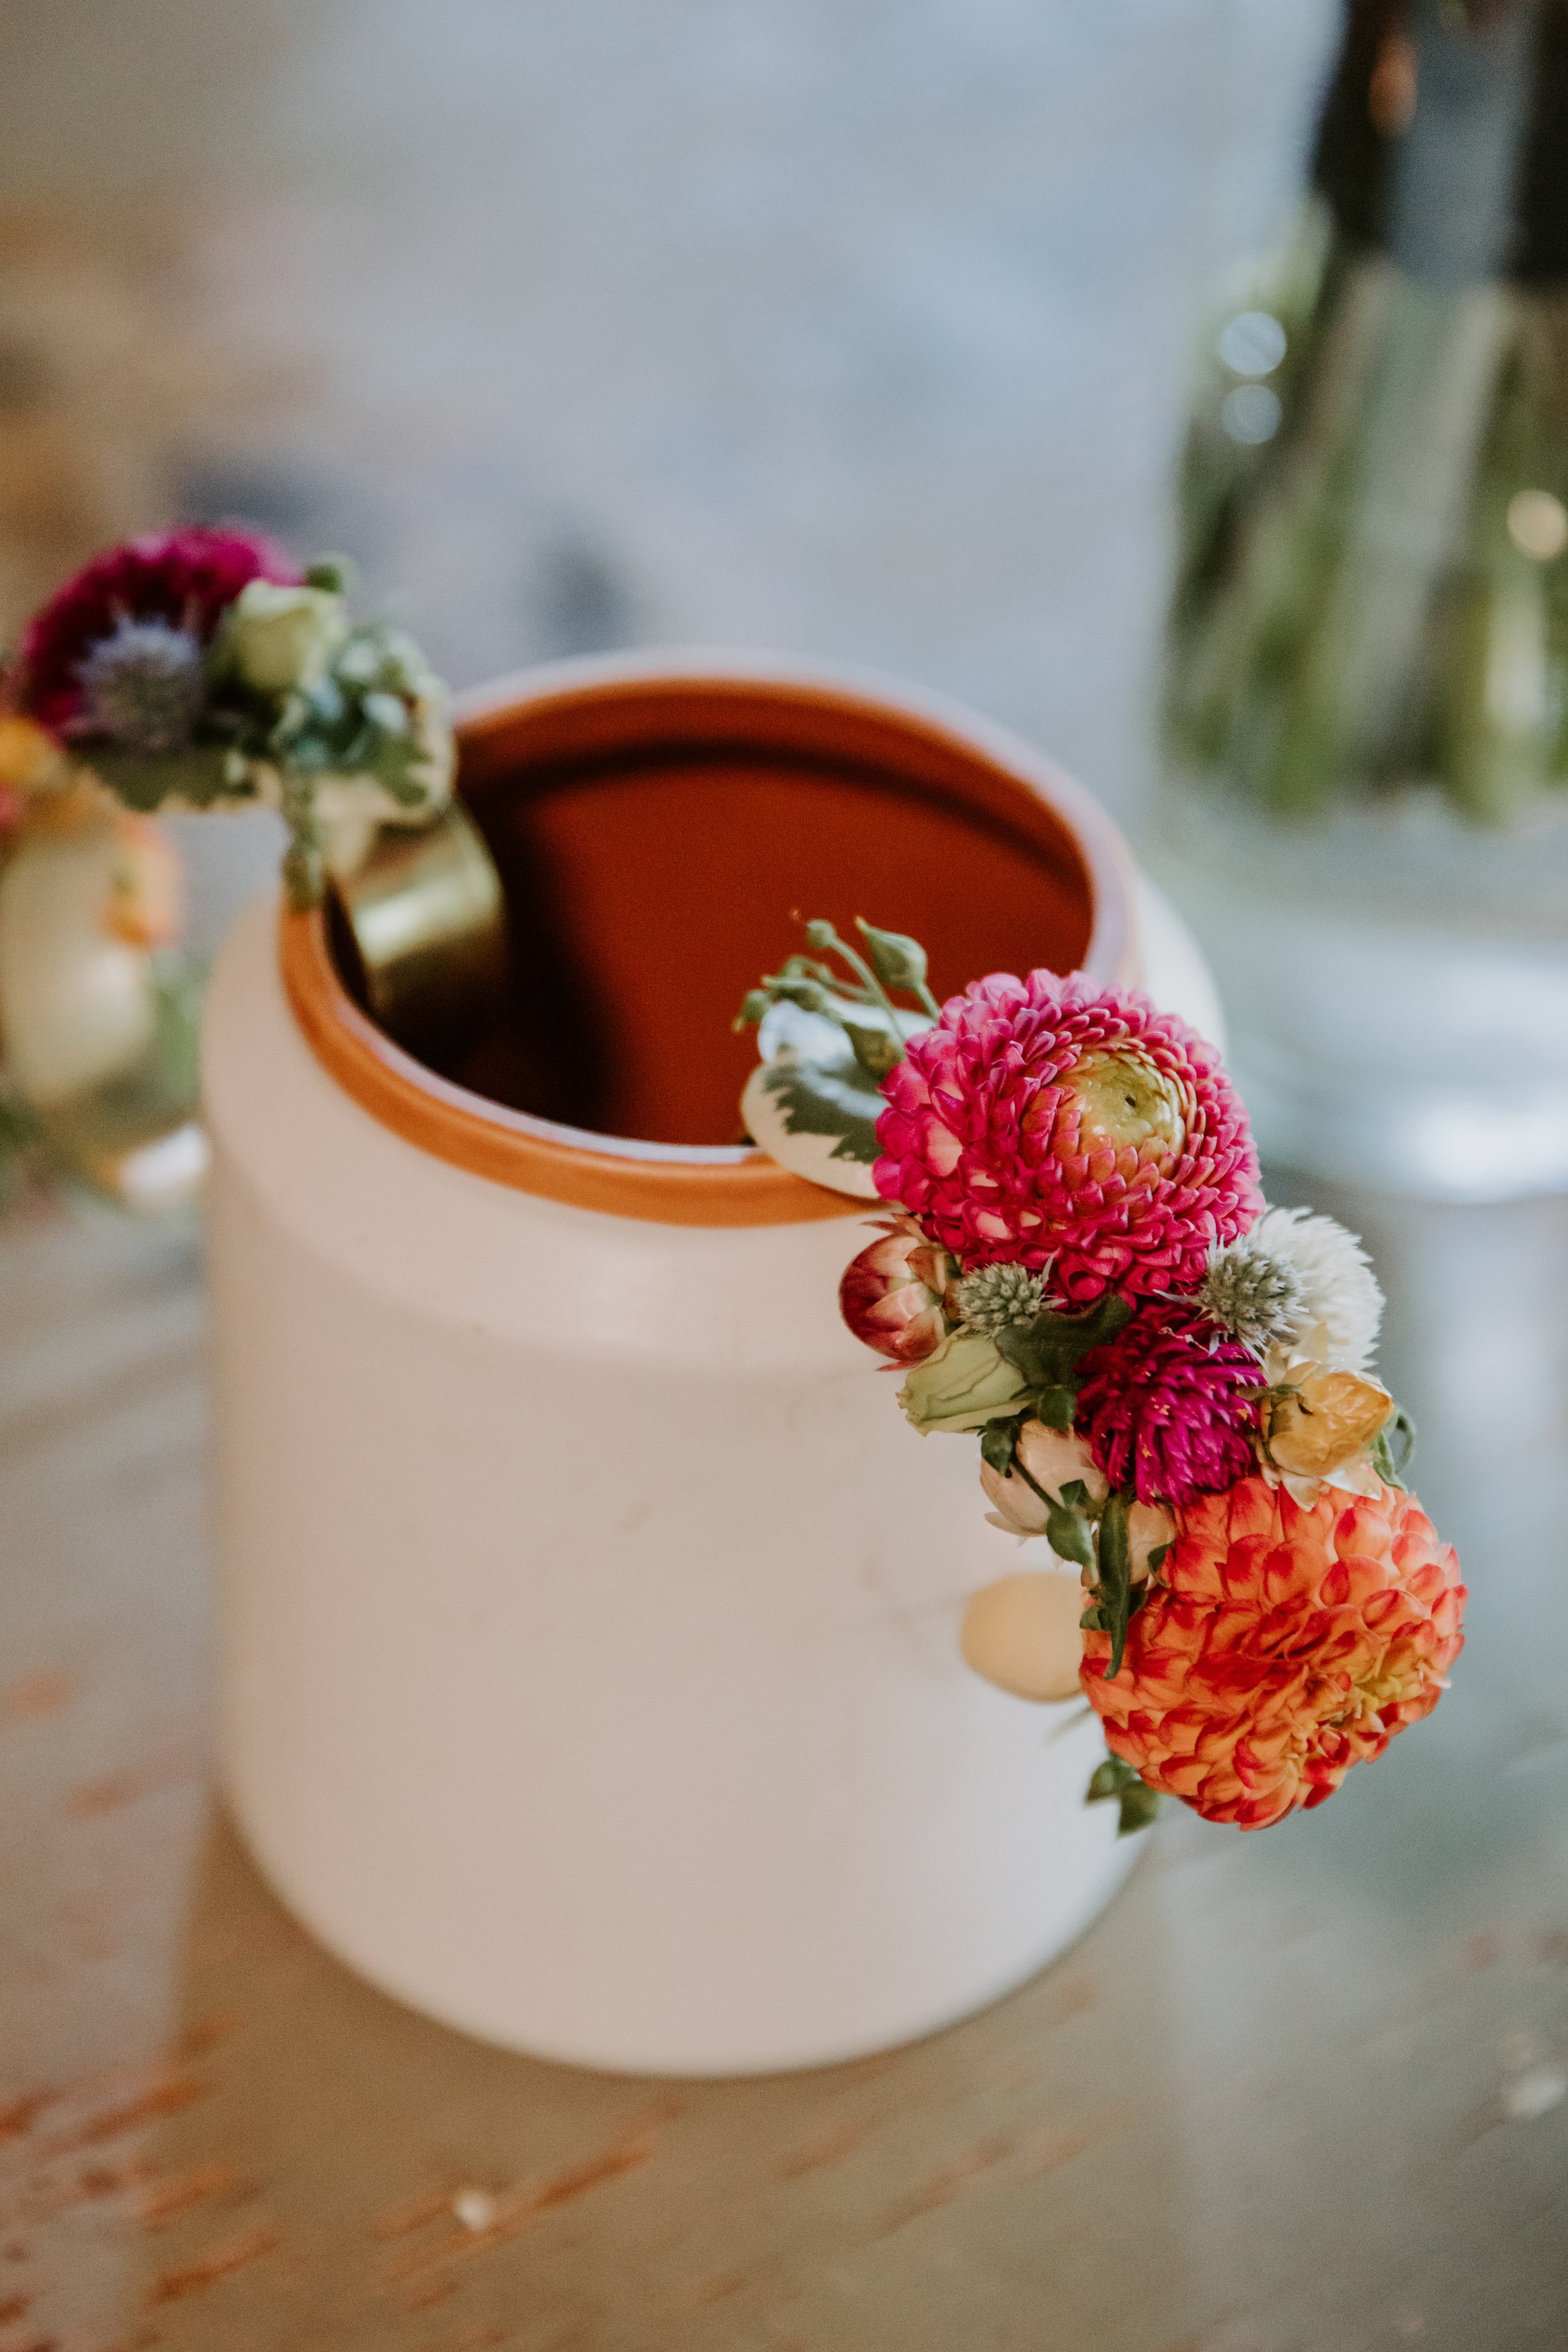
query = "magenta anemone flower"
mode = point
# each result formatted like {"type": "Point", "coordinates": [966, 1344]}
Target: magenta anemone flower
{"type": "Point", "coordinates": [186, 578]}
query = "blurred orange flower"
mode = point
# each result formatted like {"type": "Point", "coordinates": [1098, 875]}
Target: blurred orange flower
{"type": "Point", "coordinates": [145, 906]}
{"type": "Point", "coordinates": [1282, 1644]}
{"type": "Point", "coordinates": [30, 759]}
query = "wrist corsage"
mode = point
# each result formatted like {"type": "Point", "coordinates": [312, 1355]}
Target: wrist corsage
{"type": "Point", "coordinates": [199, 667]}
{"type": "Point", "coordinates": [1168, 1381]}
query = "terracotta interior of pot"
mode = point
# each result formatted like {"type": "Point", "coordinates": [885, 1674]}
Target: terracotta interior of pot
{"type": "Point", "coordinates": [656, 851]}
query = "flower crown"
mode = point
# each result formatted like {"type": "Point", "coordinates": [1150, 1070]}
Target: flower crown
{"type": "Point", "coordinates": [1169, 1381]}
{"type": "Point", "coordinates": [199, 667]}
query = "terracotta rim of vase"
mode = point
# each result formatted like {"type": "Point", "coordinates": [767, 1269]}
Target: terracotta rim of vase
{"type": "Point", "coordinates": [599, 704]}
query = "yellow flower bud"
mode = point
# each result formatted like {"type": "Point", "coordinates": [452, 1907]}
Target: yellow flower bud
{"type": "Point", "coordinates": [1327, 1421]}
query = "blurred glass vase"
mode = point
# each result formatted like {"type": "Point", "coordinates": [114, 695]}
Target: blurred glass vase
{"type": "Point", "coordinates": [98, 1004]}
{"type": "Point", "coordinates": [1364, 799]}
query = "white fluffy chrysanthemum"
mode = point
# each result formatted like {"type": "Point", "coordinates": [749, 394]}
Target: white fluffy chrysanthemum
{"type": "Point", "coordinates": [1339, 1290]}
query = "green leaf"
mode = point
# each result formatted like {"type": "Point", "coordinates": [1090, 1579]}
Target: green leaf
{"type": "Point", "coordinates": [1393, 1447]}
{"type": "Point", "coordinates": [1115, 1780]}
{"type": "Point", "coordinates": [397, 766]}
{"type": "Point", "coordinates": [1067, 1536]}
{"type": "Point", "coordinates": [819, 1100]}
{"type": "Point", "coordinates": [1047, 1350]}
{"type": "Point", "coordinates": [387, 713]}
{"type": "Point", "coordinates": [1099, 1323]}
{"type": "Point", "coordinates": [357, 664]}
{"type": "Point", "coordinates": [144, 781]}
{"type": "Point", "coordinates": [1139, 1809]}
{"type": "Point", "coordinates": [898, 960]}
{"type": "Point", "coordinates": [328, 707]}
{"type": "Point", "coordinates": [791, 988]}
{"type": "Point", "coordinates": [1401, 1433]}
{"type": "Point", "coordinates": [1115, 1587]}
{"type": "Point", "coordinates": [1019, 1344]}
{"type": "Point", "coordinates": [333, 572]}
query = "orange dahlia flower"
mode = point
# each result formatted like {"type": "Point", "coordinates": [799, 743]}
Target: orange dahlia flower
{"type": "Point", "coordinates": [1282, 1644]}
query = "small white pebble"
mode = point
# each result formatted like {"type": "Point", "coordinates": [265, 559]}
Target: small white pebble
{"type": "Point", "coordinates": [474, 2209]}
{"type": "Point", "coordinates": [1532, 2094]}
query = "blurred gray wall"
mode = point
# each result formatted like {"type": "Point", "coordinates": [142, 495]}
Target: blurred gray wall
{"type": "Point", "coordinates": [844, 326]}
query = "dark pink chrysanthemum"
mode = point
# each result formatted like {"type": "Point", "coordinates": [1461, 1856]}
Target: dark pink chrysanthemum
{"type": "Point", "coordinates": [1165, 1408]}
{"type": "Point", "coordinates": [187, 578]}
{"type": "Point", "coordinates": [1059, 1124]}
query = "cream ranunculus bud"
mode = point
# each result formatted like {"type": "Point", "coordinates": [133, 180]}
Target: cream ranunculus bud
{"type": "Point", "coordinates": [1053, 1459]}
{"type": "Point", "coordinates": [279, 639]}
{"type": "Point", "coordinates": [1023, 1634]}
{"type": "Point", "coordinates": [965, 1384]}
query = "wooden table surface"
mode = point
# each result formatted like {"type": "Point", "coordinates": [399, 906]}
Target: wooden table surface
{"type": "Point", "coordinates": [1294, 2091]}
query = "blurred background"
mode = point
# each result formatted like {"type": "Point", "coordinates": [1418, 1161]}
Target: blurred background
{"type": "Point", "coordinates": [834, 326]}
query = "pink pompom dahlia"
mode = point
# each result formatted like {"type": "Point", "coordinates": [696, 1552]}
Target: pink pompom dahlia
{"type": "Point", "coordinates": [1280, 1645]}
{"type": "Point", "coordinates": [187, 579]}
{"type": "Point", "coordinates": [1057, 1124]}
{"type": "Point", "coordinates": [1169, 1406]}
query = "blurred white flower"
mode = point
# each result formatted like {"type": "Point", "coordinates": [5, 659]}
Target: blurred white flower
{"type": "Point", "coordinates": [1339, 1290]}
{"type": "Point", "coordinates": [279, 639]}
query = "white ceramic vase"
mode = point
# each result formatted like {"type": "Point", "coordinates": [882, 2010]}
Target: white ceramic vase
{"type": "Point", "coordinates": [591, 1676]}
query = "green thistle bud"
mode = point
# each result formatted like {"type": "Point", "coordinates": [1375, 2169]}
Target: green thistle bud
{"type": "Point", "coordinates": [994, 1298]}
{"type": "Point", "coordinates": [1254, 1296]}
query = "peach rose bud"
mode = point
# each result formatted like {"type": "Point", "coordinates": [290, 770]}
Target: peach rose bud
{"type": "Point", "coordinates": [1053, 1458]}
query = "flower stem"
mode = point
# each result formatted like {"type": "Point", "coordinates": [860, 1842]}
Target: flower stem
{"type": "Point", "coordinates": [822, 935]}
